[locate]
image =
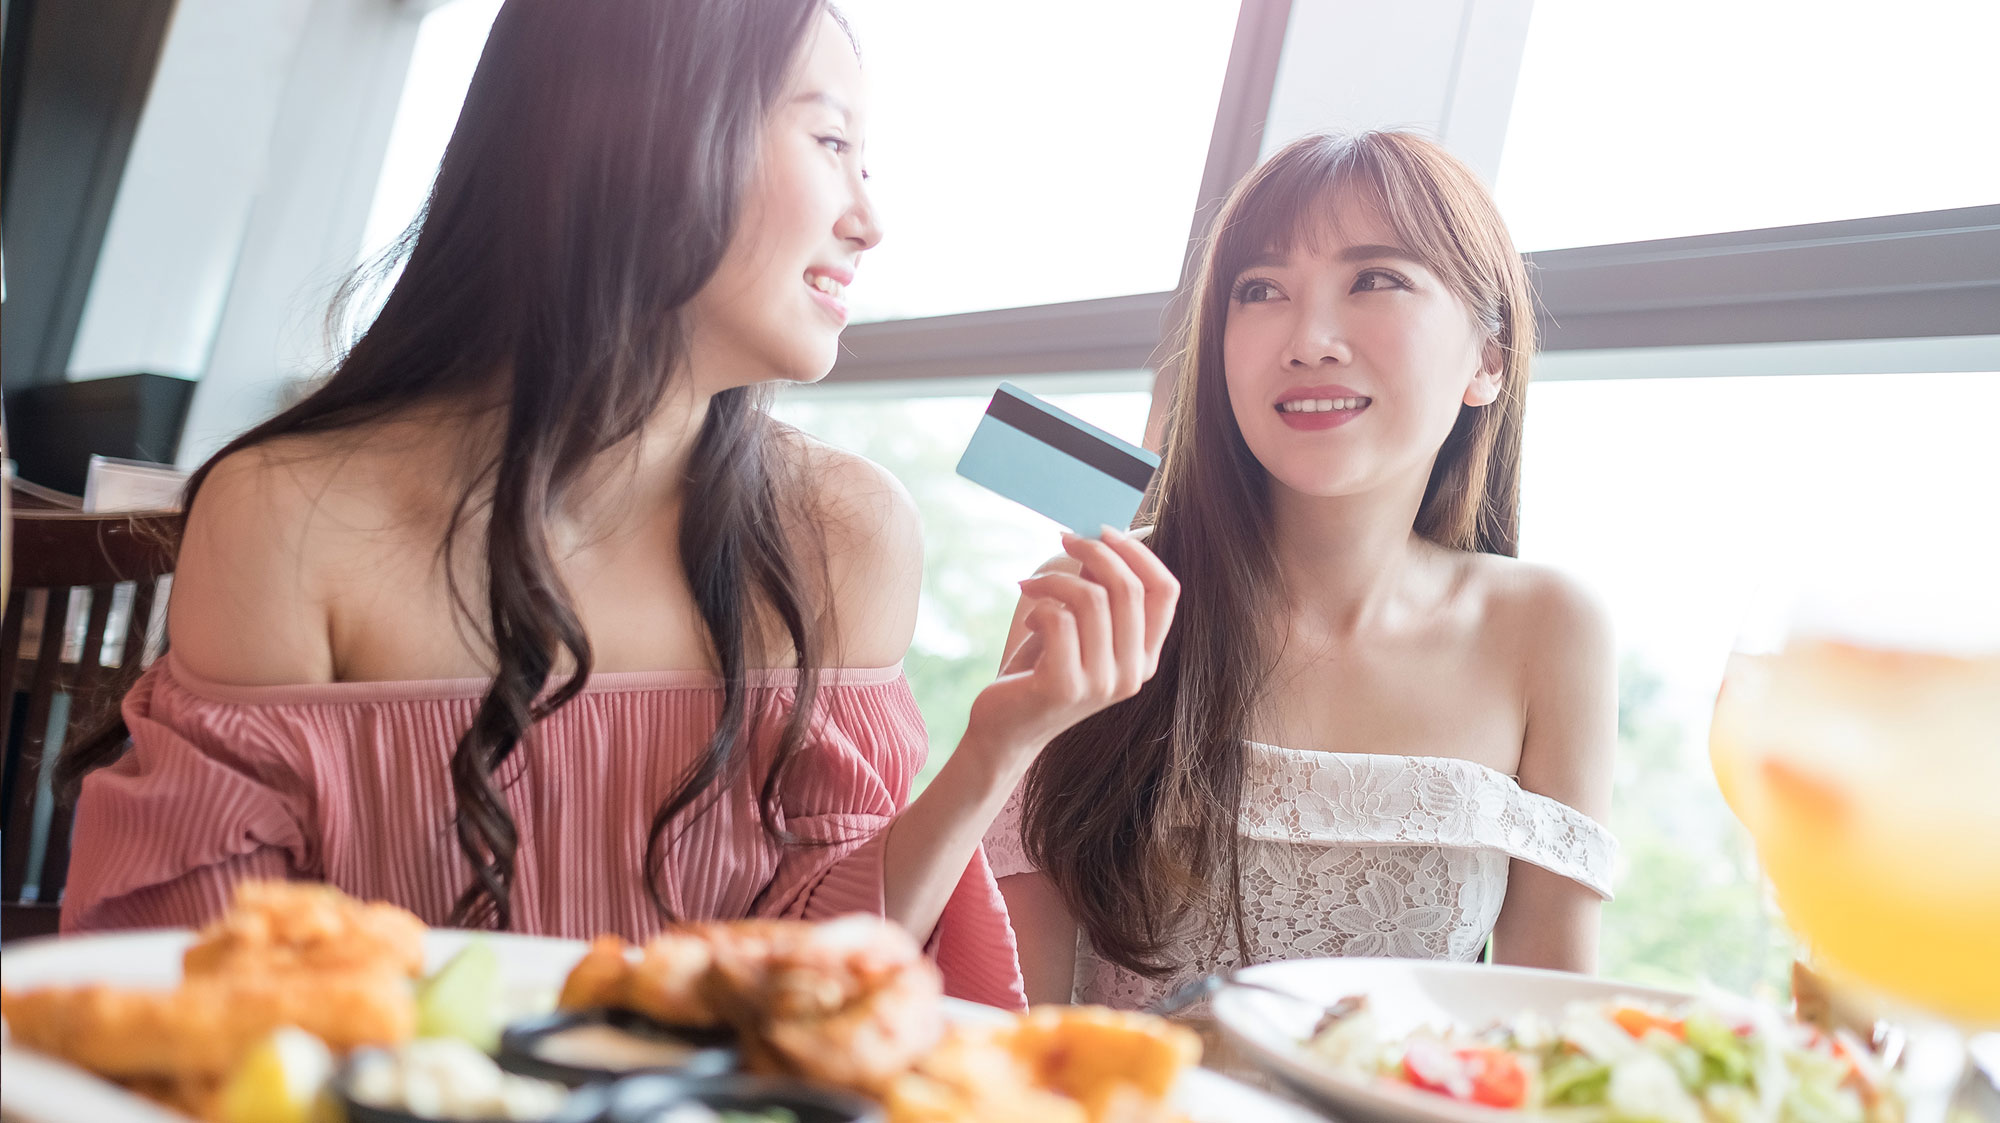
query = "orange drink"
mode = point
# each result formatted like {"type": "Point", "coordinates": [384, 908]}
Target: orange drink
{"type": "Point", "coordinates": [1870, 780]}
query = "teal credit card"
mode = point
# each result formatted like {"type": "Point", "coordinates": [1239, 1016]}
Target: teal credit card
{"type": "Point", "coordinates": [1056, 464]}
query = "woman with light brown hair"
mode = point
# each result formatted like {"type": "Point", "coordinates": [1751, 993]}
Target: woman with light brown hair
{"type": "Point", "coordinates": [1373, 731]}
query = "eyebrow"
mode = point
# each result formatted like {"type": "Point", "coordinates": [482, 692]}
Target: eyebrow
{"type": "Point", "coordinates": [1269, 258]}
{"type": "Point", "coordinates": [826, 99]}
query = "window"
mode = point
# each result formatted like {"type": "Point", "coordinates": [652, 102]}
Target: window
{"type": "Point", "coordinates": [1034, 152]}
{"type": "Point", "coordinates": [1079, 181]}
{"type": "Point", "coordinates": [1639, 121]}
{"type": "Point", "coordinates": [1669, 496]}
{"type": "Point", "coordinates": [976, 544]}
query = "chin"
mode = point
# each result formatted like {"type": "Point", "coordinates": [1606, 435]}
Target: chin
{"type": "Point", "coordinates": [1316, 480]}
{"type": "Point", "coordinates": [802, 365]}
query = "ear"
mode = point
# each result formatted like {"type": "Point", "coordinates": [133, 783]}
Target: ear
{"type": "Point", "coordinates": [1484, 389]}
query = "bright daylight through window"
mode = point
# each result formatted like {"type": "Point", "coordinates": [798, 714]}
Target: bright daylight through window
{"type": "Point", "coordinates": [1637, 121]}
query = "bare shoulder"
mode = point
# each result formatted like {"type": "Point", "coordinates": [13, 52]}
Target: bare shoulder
{"type": "Point", "coordinates": [873, 540]}
{"type": "Point", "coordinates": [1551, 618]}
{"type": "Point", "coordinates": [1560, 636]}
{"type": "Point", "coordinates": [248, 603]}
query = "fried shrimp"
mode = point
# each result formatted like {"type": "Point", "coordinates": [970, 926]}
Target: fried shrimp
{"type": "Point", "coordinates": [302, 926]}
{"type": "Point", "coordinates": [852, 1002]}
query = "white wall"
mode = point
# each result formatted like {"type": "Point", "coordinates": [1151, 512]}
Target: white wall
{"type": "Point", "coordinates": [196, 164]}
{"type": "Point", "coordinates": [245, 200]}
{"type": "Point", "coordinates": [305, 232]}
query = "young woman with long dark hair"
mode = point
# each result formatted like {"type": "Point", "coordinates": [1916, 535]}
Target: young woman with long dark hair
{"type": "Point", "coordinates": [530, 617]}
{"type": "Point", "coordinates": [1373, 732]}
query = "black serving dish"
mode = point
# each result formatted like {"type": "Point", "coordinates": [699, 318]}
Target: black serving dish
{"type": "Point", "coordinates": [712, 1051]}
{"type": "Point", "coordinates": [646, 1099]}
{"type": "Point", "coordinates": [584, 1105]}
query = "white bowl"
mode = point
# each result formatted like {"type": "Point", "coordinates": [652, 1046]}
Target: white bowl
{"type": "Point", "coordinates": [1404, 995]}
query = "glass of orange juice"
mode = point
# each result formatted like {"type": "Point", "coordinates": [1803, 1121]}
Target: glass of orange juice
{"type": "Point", "coordinates": [1857, 737]}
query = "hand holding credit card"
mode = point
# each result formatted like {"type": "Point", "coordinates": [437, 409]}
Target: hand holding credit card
{"type": "Point", "coordinates": [1056, 464]}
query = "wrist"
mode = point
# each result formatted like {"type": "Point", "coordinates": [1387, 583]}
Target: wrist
{"type": "Point", "coordinates": [993, 763]}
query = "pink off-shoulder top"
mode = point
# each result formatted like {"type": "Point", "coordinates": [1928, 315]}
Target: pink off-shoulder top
{"type": "Point", "coordinates": [348, 783]}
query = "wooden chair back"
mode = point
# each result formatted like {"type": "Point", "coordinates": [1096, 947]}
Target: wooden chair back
{"type": "Point", "coordinates": [54, 552]}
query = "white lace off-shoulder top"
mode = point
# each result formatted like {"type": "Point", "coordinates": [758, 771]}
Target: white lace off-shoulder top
{"type": "Point", "coordinates": [1356, 854]}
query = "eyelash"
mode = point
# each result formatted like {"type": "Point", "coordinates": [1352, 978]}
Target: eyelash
{"type": "Point", "coordinates": [841, 148]}
{"type": "Point", "coordinates": [1398, 279]}
{"type": "Point", "coordinates": [1240, 294]}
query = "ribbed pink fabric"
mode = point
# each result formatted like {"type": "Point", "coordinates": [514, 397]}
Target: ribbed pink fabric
{"type": "Point", "coordinates": [348, 783]}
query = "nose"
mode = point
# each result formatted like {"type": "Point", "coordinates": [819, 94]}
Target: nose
{"type": "Point", "coordinates": [860, 227]}
{"type": "Point", "coordinates": [1318, 339]}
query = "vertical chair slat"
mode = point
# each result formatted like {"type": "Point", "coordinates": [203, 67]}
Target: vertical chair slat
{"type": "Point", "coordinates": [10, 665]}
{"type": "Point", "coordinates": [28, 765]}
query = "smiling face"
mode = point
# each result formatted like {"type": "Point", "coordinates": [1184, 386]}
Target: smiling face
{"type": "Point", "coordinates": [1347, 360]}
{"type": "Point", "coordinates": [775, 307]}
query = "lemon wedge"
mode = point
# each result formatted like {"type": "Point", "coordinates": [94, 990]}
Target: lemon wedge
{"type": "Point", "coordinates": [280, 1081]}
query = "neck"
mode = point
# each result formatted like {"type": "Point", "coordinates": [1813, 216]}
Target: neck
{"type": "Point", "coordinates": [631, 484]}
{"type": "Point", "coordinates": [1342, 559]}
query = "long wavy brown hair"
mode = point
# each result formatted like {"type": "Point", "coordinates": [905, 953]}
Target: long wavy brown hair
{"type": "Point", "coordinates": [588, 192]}
{"type": "Point", "coordinates": [1133, 811]}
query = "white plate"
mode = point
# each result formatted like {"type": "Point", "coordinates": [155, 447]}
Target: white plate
{"type": "Point", "coordinates": [40, 1090]}
{"type": "Point", "coordinates": [1404, 995]}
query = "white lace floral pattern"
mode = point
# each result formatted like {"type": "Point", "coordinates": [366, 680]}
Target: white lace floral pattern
{"type": "Point", "coordinates": [1357, 854]}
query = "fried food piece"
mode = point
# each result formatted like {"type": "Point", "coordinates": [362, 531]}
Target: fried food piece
{"type": "Point", "coordinates": [197, 1097]}
{"type": "Point", "coordinates": [852, 1002]}
{"type": "Point", "coordinates": [1120, 1065]}
{"type": "Point", "coordinates": [973, 1077]}
{"type": "Point", "coordinates": [304, 926]}
{"type": "Point", "coordinates": [599, 978]}
{"type": "Point", "coordinates": [665, 980]}
{"type": "Point", "coordinates": [199, 1031]}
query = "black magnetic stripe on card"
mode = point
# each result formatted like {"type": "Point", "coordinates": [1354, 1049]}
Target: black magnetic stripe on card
{"type": "Point", "coordinates": [1064, 437]}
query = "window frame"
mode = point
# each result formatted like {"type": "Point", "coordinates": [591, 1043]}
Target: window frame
{"type": "Point", "coordinates": [1917, 276]}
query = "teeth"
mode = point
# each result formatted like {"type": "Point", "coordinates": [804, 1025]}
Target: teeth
{"type": "Point", "coordinates": [1322, 405]}
{"type": "Point", "coordinates": [826, 284]}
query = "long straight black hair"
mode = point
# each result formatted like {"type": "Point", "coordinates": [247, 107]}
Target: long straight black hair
{"type": "Point", "coordinates": [588, 192]}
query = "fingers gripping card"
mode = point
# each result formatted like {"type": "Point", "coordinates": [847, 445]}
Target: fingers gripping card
{"type": "Point", "coordinates": [1057, 464]}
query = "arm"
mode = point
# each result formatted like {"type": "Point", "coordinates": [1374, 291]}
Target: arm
{"type": "Point", "coordinates": [1044, 931]}
{"type": "Point", "coordinates": [1045, 934]}
{"type": "Point", "coordinates": [1548, 920]}
{"type": "Point", "coordinates": [1094, 639]}
{"type": "Point", "coordinates": [1093, 632]}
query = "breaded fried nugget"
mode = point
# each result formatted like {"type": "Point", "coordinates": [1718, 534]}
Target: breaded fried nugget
{"type": "Point", "coordinates": [973, 1077]}
{"type": "Point", "coordinates": [1118, 1064]}
{"type": "Point", "coordinates": [665, 980]}
{"type": "Point", "coordinates": [205, 1026]}
{"type": "Point", "coordinates": [305, 926]}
